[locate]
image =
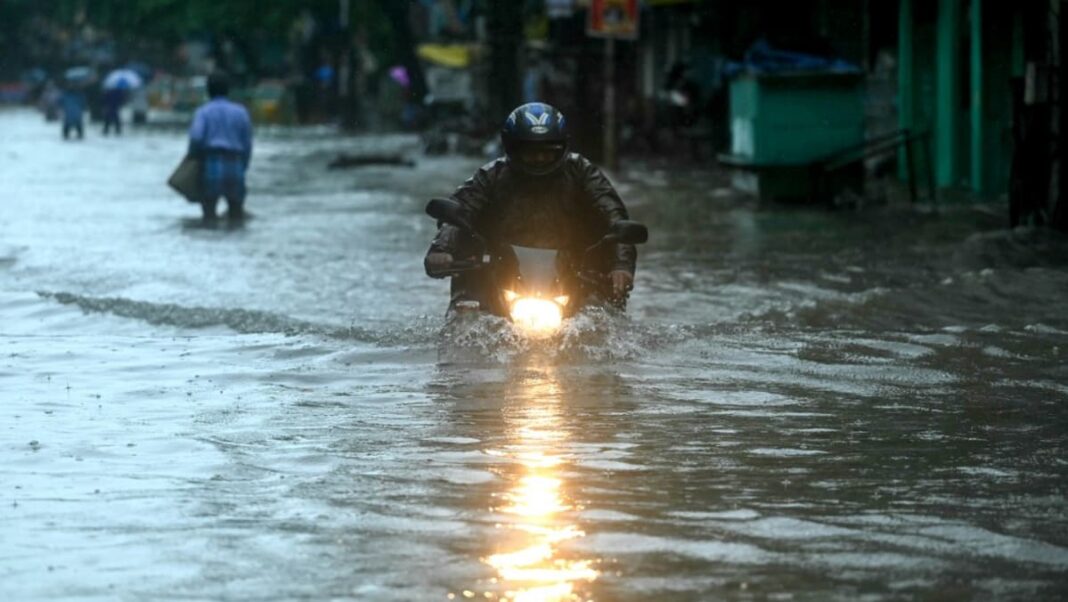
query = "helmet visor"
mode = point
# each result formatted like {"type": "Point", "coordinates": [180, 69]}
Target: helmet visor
{"type": "Point", "coordinates": [540, 156]}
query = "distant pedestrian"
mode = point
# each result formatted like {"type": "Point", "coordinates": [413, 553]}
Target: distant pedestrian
{"type": "Point", "coordinates": [113, 100]}
{"type": "Point", "coordinates": [72, 103]}
{"type": "Point", "coordinates": [139, 105]}
{"type": "Point", "coordinates": [221, 139]}
{"type": "Point", "coordinates": [49, 99]}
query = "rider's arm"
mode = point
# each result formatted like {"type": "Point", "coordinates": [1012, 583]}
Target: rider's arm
{"type": "Point", "coordinates": [608, 205]}
{"type": "Point", "coordinates": [440, 254]}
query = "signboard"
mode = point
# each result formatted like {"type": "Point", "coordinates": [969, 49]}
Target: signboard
{"type": "Point", "coordinates": [613, 19]}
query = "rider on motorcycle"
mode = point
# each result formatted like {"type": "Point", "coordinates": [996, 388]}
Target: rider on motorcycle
{"type": "Point", "coordinates": [537, 195]}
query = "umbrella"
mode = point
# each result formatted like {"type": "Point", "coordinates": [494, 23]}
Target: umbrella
{"type": "Point", "coordinates": [122, 79]}
{"type": "Point", "coordinates": [78, 75]}
{"type": "Point", "coordinates": [35, 76]}
{"type": "Point", "coordinates": [400, 75]}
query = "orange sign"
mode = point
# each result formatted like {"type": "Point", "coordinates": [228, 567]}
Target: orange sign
{"type": "Point", "coordinates": [613, 19]}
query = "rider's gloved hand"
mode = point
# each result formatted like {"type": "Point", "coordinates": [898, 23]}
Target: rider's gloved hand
{"type": "Point", "coordinates": [622, 282]}
{"type": "Point", "coordinates": [435, 263]}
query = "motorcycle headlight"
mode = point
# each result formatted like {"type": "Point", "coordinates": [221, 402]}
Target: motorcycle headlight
{"type": "Point", "coordinates": [536, 317]}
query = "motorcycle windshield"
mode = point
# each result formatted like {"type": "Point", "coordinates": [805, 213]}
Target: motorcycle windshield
{"type": "Point", "coordinates": [537, 271]}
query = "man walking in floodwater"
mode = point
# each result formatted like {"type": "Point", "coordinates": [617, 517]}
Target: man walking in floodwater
{"type": "Point", "coordinates": [73, 104]}
{"type": "Point", "coordinates": [112, 101]}
{"type": "Point", "coordinates": [221, 140]}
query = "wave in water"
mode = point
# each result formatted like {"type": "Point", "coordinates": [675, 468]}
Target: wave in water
{"type": "Point", "coordinates": [595, 334]}
{"type": "Point", "coordinates": [244, 321]}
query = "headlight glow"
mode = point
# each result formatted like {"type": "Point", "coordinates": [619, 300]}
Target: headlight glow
{"type": "Point", "coordinates": [537, 317]}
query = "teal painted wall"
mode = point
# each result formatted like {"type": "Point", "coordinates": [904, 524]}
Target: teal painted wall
{"type": "Point", "coordinates": [949, 144]}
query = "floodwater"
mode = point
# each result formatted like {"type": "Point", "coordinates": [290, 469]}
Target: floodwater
{"type": "Point", "coordinates": [800, 404]}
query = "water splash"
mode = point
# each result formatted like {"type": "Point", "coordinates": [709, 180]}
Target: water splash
{"type": "Point", "coordinates": [479, 337]}
{"type": "Point", "coordinates": [594, 334]}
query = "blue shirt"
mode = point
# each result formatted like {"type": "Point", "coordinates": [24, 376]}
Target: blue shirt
{"type": "Point", "coordinates": [73, 104]}
{"type": "Point", "coordinates": [222, 125]}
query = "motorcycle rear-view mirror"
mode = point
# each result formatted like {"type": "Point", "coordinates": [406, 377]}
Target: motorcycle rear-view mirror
{"type": "Point", "coordinates": [628, 232]}
{"type": "Point", "coordinates": [444, 210]}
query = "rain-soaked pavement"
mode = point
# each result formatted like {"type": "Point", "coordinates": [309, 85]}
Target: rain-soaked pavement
{"type": "Point", "coordinates": [800, 405]}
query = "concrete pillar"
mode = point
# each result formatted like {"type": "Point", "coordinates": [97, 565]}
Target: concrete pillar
{"type": "Point", "coordinates": [948, 153]}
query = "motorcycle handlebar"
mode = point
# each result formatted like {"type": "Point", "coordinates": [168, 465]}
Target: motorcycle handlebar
{"type": "Point", "coordinates": [459, 267]}
{"type": "Point", "coordinates": [463, 266]}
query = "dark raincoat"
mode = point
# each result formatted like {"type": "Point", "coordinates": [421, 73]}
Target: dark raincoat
{"type": "Point", "coordinates": [571, 208]}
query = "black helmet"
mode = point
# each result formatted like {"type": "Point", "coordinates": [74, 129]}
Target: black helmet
{"type": "Point", "coordinates": [535, 139]}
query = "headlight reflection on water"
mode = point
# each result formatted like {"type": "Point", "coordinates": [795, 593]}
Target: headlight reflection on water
{"type": "Point", "coordinates": [534, 572]}
{"type": "Point", "coordinates": [534, 511]}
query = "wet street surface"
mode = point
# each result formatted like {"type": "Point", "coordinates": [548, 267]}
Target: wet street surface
{"type": "Point", "coordinates": [799, 404]}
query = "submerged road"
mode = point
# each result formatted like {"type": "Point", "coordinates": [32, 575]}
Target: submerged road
{"type": "Point", "coordinates": [800, 405]}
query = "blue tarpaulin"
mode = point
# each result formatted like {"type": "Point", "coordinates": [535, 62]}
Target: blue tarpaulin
{"type": "Point", "coordinates": [762, 57]}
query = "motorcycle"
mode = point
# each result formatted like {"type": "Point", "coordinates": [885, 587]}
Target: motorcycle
{"type": "Point", "coordinates": [536, 289]}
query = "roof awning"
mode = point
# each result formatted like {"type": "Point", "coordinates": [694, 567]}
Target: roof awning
{"type": "Point", "coordinates": [456, 56]}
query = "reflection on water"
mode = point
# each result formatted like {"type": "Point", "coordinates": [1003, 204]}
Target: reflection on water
{"type": "Point", "coordinates": [535, 515]}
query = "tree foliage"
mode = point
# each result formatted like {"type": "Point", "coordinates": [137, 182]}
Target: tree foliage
{"type": "Point", "coordinates": [165, 23]}
{"type": "Point", "coordinates": [171, 19]}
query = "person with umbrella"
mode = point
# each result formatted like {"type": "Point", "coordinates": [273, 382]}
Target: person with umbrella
{"type": "Point", "coordinates": [72, 101]}
{"type": "Point", "coordinates": [116, 86]}
{"type": "Point", "coordinates": [221, 139]}
{"type": "Point", "coordinates": [139, 95]}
